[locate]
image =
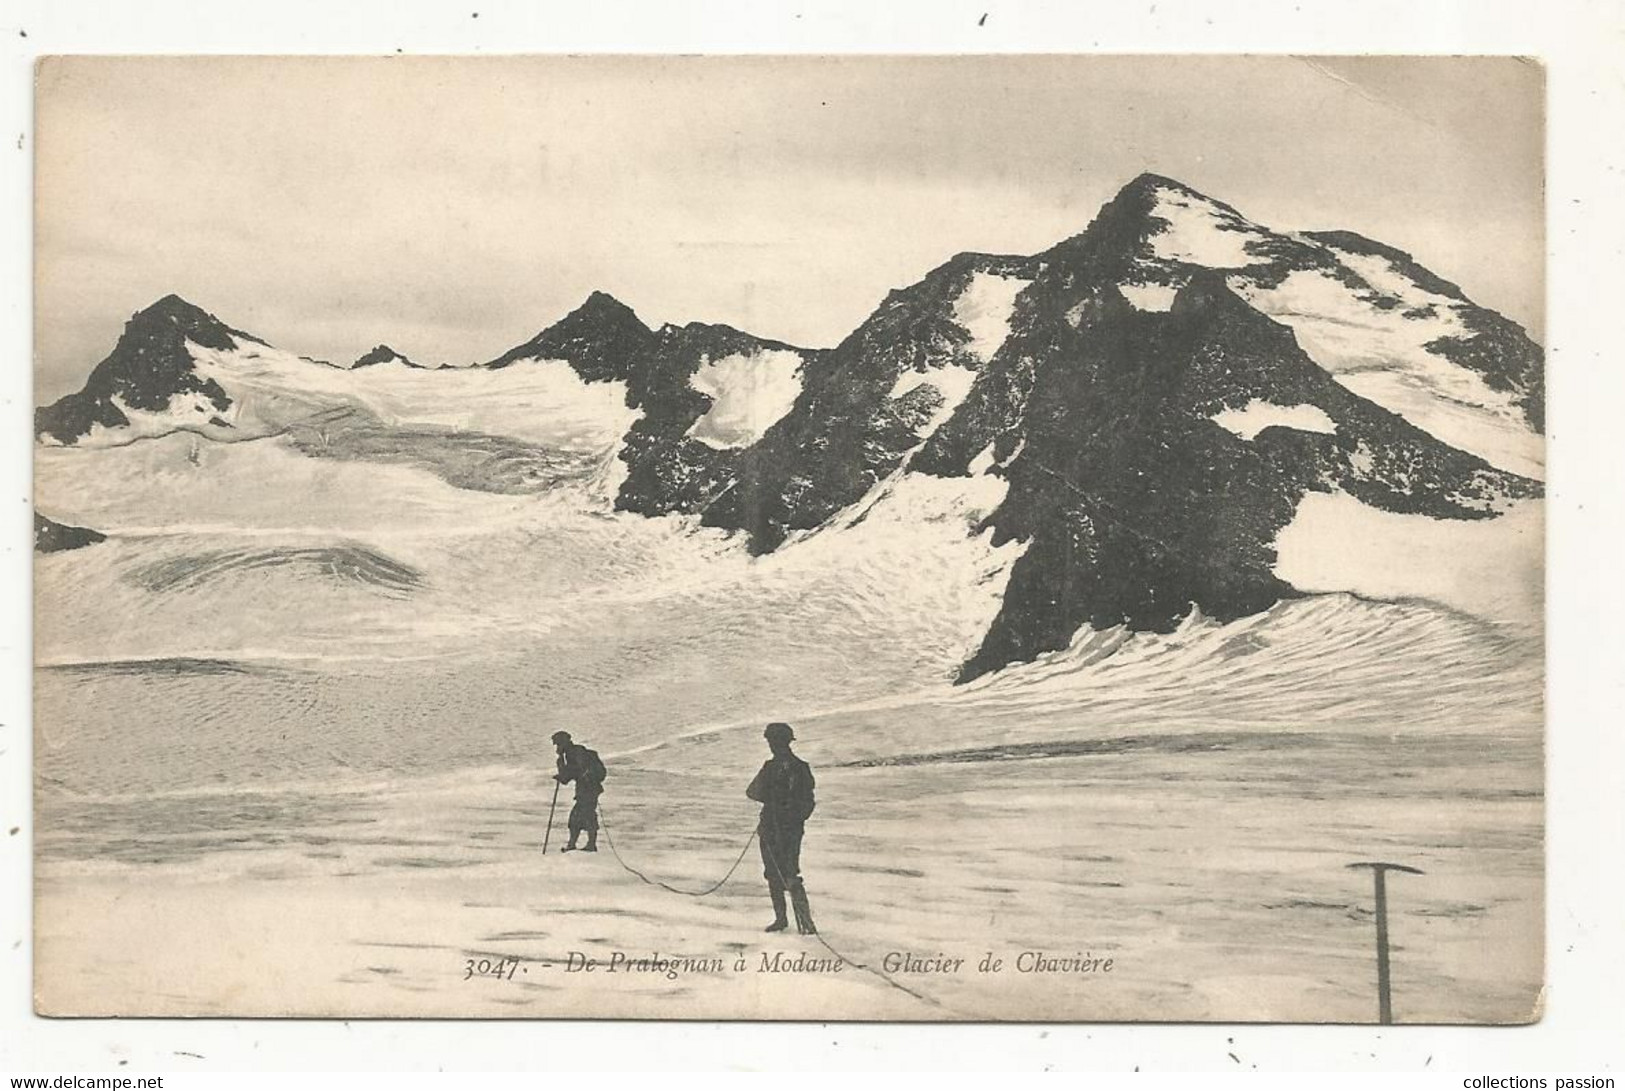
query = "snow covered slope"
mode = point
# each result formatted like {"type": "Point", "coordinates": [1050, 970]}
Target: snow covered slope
{"type": "Point", "coordinates": [1128, 543]}
{"type": "Point", "coordinates": [1176, 409]}
{"type": "Point", "coordinates": [1159, 427]}
{"type": "Point", "coordinates": [179, 369]}
{"type": "Point", "coordinates": [1390, 330]}
{"type": "Point", "coordinates": [748, 392]}
{"type": "Point", "coordinates": [870, 404]}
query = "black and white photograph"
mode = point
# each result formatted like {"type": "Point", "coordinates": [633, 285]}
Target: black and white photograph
{"type": "Point", "coordinates": [1046, 538]}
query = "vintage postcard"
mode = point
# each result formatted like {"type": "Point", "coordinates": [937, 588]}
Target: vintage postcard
{"type": "Point", "coordinates": [790, 538]}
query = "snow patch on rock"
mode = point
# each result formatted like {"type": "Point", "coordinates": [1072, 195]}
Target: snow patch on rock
{"type": "Point", "coordinates": [1381, 274]}
{"type": "Point", "coordinates": [983, 311]}
{"type": "Point", "coordinates": [1202, 233]}
{"type": "Point", "coordinates": [952, 382]}
{"type": "Point", "coordinates": [1382, 355]}
{"type": "Point", "coordinates": [749, 393]}
{"type": "Point", "coordinates": [1149, 297]}
{"type": "Point", "coordinates": [1259, 414]}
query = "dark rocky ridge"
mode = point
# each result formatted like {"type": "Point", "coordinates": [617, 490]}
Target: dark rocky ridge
{"type": "Point", "coordinates": [1403, 262]}
{"type": "Point", "coordinates": [53, 537]}
{"type": "Point", "coordinates": [667, 470]}
{"type": "Point", "coordinates": [605, 341]}
{"type": "Point", "coordinates": [1136, 505]}
{"type": "Point", "coordinates": [1500, 351]}
{"type": "Point", "coordinates": [1133, 503]}
{"type": "Point", "coordinates": [845, 433]}
{"type": "Point", "coordinates": [1497, 348]}
{"type": "Point", "coordinates": [147, 367]}
{"type": "Point", "coordinates": [383, 354]}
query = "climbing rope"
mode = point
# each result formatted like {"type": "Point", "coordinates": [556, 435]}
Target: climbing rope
{"type": "Point", "coordinates": [848, 959]}
{"type": "Point", "coordinates": [882, 974]}
{"type": "Point", "coordinates": [712, 889]}
{"type": "Point", "coordinates": [609, 838]}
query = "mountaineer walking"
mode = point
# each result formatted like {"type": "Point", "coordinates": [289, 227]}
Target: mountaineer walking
{"type": "Point", "coordinates": [584, 768]}
{"type": "Point", "coordinates": [784, 788]}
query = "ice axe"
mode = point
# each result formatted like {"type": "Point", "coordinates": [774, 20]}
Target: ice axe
{"type": "Point", "coordinates": [549, 835]}
{"type": "Point", "coordinates": [1385, 1002]}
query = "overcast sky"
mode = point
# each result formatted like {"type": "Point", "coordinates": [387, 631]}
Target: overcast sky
{"type": "Point", "coordinates": [453, 207]}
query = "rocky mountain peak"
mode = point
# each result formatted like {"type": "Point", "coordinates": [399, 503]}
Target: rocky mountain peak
{"type": "Point", "coordinates": [1150, 183]}
{"type": "Point", "coordinates": [53, 537]}
{"type": "Point", "coordinates": [602, 303]}
{"type": "Point", "coordinates": [1143, 407]}
{"type": "Point", "coordinates": [603, 338]}
{"type": "Point", "coordinates": [149, 366]}
{"type": "Point", "coordinates": [1402, 262]}
{"type": "Point", "coordinates": [381, 354]}
{"type": "Point", "coordinates": [187, 319]}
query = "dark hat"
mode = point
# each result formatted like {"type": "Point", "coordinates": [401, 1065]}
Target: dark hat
{"type": "Point", "coordinates": [778, 733]}
{"type": "Point", "coordinates": [561, 736]}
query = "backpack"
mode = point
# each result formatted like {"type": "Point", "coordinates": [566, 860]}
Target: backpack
{"type": "Point", "coordinates": [594, 765]}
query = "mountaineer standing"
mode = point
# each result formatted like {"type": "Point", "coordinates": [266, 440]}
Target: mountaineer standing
{"type": "Point", "coordinates": [784, 788]}
{"type": "Point", "coordinates": [585, 768]}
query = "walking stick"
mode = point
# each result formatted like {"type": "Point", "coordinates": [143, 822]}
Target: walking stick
{"type": "Point", "coordinates": [549, 835]}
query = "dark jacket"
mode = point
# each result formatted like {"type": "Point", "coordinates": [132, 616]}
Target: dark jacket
{"type": "Point", "coordinates": [784, 788]}
{"type": "Point", "coordinates": [574, 765]}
